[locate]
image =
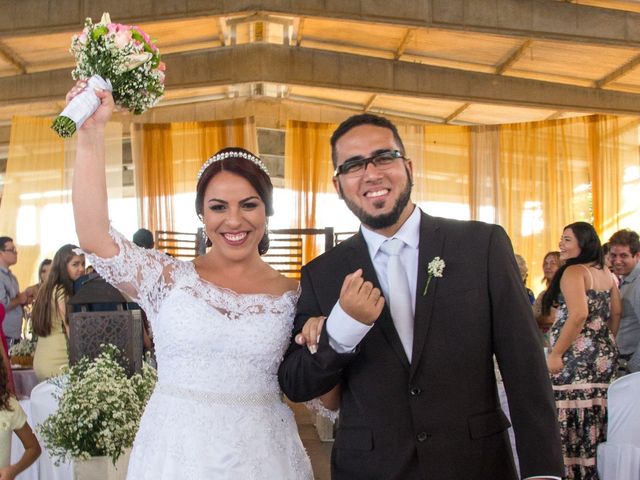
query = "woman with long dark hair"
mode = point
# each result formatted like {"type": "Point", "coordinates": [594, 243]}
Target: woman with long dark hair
{"type": "Point", "coordinates": [583, 355]}
{"type": "Point", "coordinates": [49, 312]}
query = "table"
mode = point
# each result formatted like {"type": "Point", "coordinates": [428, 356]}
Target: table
{"type": "Point", "coordinates": [24, 379]}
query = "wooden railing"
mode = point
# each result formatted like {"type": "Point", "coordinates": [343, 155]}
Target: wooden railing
{"type": "Point", "coordinates": [286, 246]}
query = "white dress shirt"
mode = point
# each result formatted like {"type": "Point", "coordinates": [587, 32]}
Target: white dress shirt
{"type": "Point", "coordinates": [345, 332]}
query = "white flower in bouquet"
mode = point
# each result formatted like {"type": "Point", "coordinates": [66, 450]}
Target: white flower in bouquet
{"type": "Point", "coordinates": [99, 408]}
{"type": "Point", "coordinates": [116, 57]}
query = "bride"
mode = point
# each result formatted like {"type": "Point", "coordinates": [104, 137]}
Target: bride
{"type": "Point", "coordinates": [221, 323]}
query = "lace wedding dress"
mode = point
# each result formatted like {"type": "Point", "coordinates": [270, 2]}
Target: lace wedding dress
{"type": "Point", "coordinates": [216, 412]}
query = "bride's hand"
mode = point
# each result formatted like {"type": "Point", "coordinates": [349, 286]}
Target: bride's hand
{"type": "Point", "coordinates": [102, 115]}
{"type": "Point", "coordinates": [310, 335]}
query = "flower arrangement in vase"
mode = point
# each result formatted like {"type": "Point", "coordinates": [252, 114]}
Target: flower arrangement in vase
{"type": "Point", "coordinates": [99, 408]}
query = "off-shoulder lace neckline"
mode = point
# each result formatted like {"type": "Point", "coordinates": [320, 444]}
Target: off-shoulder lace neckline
{"type": "Point", "coordinates": [286, 294]}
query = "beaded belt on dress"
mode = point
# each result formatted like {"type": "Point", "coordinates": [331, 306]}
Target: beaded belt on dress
{"type": "Point", "coordinates": [220, 398]}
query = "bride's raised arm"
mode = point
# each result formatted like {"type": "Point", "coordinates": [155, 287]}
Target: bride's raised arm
{"type": "Point", "coordinates": [89, 194]}
{"type": "Point", "coordinates": [144, 275]}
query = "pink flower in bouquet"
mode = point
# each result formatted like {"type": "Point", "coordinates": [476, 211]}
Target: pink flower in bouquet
{"type": "Point", "coordinates": [122, 38]}
{"type": "Point", "coordinates": [162, 66]}
{"type": "Point", "coordinates": [82, 37]}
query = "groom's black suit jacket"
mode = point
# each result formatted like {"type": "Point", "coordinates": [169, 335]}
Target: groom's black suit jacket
{"type": "Point", "coordinates": [438, 418]}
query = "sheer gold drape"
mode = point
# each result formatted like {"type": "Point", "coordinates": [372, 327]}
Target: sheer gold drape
{"type": "Point", "coordinates": [308, 173]}
{"type": "Point", "coordinates": [544, 185]}
{"type": "Point", "coordinates": [167, 158]}
{"type": "Point", "coordinates": [35, 209]}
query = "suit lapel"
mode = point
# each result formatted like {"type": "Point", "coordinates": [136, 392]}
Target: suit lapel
{"type": "Point", "coordinates": [431, 246]}
{"type": "Point", "coordinates": [360, 259]}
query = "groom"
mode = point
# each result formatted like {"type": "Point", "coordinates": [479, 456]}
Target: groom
{"type": "Point", "coordinates": [415, 370]}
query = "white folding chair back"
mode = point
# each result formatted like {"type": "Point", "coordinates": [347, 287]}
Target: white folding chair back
{"type": "Point", "coordinates": [619, 456]}
{"type": "Point", "coordinates": [43, 404]}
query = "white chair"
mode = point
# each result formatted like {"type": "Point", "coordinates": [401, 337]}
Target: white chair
{"type": "Point", "coordinates": [619, 456]}
{"type": "Point", "coordinates": [43, 404]}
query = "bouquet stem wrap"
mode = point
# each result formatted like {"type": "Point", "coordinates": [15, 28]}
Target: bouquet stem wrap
{"type": "Point", "coordinates": [81, 107]}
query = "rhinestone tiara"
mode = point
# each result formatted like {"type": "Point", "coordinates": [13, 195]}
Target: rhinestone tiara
{"type": "Point", "coordinates": [232, 154]}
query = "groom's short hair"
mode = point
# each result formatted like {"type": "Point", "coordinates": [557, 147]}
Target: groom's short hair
{"type": "Point", "coordinates": [356, 121]}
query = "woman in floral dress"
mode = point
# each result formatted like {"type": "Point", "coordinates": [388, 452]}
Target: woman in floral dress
{"type": "Point", "coordinates": [583, 355]}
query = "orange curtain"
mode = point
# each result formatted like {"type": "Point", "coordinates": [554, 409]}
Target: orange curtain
{"type": "Point", "coordinates": [308, 173]}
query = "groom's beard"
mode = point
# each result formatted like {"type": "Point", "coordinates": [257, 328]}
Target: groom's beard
{"type": "Point", "coordinates": [376, 222]}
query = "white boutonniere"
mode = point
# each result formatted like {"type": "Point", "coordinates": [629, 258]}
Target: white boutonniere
{"type": "Point", "coordinates": [434, 269]}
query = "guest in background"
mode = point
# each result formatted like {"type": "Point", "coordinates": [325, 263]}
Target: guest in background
{"type": "Point", "coordinates": [43, 270]}
{"type": "Point", "coordinates": [5, 354]}
{"type": "Point", "coordinates": [143, 238]}
{"type": "Point", "coordinates": [14, 420]}
{"type": "Point", "coordinates": [550, 266]}
{"type": "Point", "coordinates": [524, 274]}
{"type": "Point", "coordinates": [625, 258]}
{"type": "Point", "coordinates": [583, 357]}
{"type": "Point", "coordinates": [608, 264]}
{"type": "Point", "coordinates": [49, 313]}
{"type": "Point", "coordinates": [10, 295]}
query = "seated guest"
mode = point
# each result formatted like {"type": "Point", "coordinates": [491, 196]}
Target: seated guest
{"type": "Point", "coordinates": [50, 313]}
{"type": "Point", "coordinates": [13, 419]}
{"type": "Point", "coordinates": [550, 266]}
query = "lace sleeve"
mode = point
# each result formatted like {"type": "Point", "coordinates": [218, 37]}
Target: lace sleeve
{"type": "Point", "coordinates": [144, 275]}
{"type": "Point", "coordinates": [316, 406]}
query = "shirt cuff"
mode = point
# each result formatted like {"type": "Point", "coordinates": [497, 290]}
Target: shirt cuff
{"type": "Point", "coordinates": [345, 332]}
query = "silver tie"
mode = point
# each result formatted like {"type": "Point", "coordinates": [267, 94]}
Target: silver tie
{"type": "Point", "coordinates": [399, 295]}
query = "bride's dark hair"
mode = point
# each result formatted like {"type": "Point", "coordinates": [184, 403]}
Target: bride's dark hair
{"type": "Point", "coordinates": [247, 169]}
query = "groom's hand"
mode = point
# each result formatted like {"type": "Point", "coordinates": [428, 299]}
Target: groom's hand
{"type": "Point", "coordinates": [360, 299]}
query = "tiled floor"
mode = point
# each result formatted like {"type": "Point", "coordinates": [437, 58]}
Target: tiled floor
{"type": "Point", "coordinates": [320, 452]}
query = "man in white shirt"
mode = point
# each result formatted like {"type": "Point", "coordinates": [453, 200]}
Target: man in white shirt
{"type": "Point", "coordinates": [415, 369]}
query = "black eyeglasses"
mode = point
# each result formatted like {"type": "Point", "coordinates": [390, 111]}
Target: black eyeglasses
{"type": "Point", "coordinates": [357, 166]}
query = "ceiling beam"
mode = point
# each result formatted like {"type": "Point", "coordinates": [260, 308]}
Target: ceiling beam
{"type": "Point", "coordinates": [618, 72]}
{"type": "Point", "coordinates": [457, 112]}
{"type": "Point", "coordinates": [289, 65]}
{"type": "Point", "coordinates": [513, 58]}
{"type": "Point", "coordinates": [369, 103]}
{"type": "Point", "coordinates": [403, 44]}
{"type": "Point", "coordinates": [12, 58]}
{"type": "Point", "coordinates": [536, 19]}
